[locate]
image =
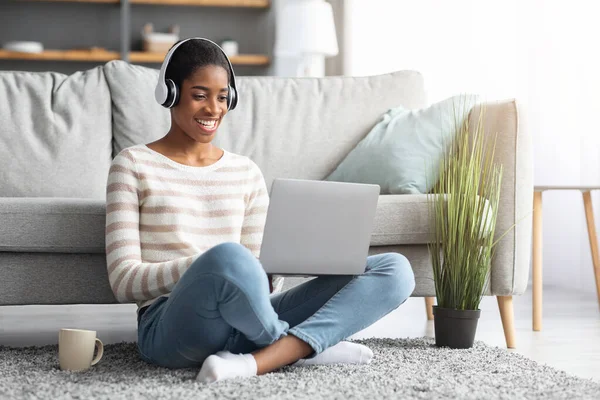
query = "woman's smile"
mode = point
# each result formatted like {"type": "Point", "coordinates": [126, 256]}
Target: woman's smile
{"type": "Point", "coordinates": [207, 126]}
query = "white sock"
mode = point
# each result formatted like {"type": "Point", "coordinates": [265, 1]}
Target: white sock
{"type": "Point", "coordinates": [226, 366]}
{"type": "Point", "coordinates": [341, 353]}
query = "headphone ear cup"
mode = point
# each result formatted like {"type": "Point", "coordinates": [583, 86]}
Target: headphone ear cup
{"type": "Point", "coordinates": [176, 95]}
{"type": "Point", "coordinates": [232, 98]}
{"type": "Point", "coordinates": [172, 94]}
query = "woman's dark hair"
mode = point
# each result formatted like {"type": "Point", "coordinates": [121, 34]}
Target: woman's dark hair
{"type": "Point", "coordinates": [191, 56]}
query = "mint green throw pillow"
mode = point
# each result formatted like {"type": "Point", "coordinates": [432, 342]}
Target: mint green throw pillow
{"type": "Point", "coordinates": [403, 151]}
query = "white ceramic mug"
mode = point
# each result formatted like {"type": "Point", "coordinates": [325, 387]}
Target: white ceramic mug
{"type": "Point", "coordinates": [76, 349]}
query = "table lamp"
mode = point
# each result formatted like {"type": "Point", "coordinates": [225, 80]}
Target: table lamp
{"type": "Point", "coordinates": [306, 31]}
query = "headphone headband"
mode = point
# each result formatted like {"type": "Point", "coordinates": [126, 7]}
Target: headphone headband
{"type": "Point", "coordinates": [166, 92]}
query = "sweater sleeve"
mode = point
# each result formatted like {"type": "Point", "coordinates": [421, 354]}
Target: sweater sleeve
{"type": "Point", "coordinates": [257, 202]}
{"type": "Point", "coordinates": [130, 278]}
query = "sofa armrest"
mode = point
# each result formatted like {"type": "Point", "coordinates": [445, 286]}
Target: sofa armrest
{"type": "Point", "coordinates": [510, 267]}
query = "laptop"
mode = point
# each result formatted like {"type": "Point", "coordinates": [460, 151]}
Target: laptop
{"type": "Point", "coordinates": [318, 227]}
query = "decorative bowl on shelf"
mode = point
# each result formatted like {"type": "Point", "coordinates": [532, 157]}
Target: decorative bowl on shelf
{"type": "Point", "coordinates": [230, 47]}
{"type": "Point", "coordinates": [24, 47]}
{"type": "Point", "coordinates": [157, 42]}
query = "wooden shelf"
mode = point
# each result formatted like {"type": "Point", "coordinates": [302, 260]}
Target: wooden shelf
{"type": "Point", "coordinates": [79, 1]}
{"type": "Point", "coordinates": [104, 55]}
{"type": "Point", "coordinates": [205, 3]}
{"type": "Point", "coordinates": [62, 55]}
{"type": "Point", "coordinates": [242, 59]}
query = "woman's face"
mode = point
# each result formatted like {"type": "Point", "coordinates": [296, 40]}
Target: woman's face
{"type": "Point", "coordinates": [202, 103]}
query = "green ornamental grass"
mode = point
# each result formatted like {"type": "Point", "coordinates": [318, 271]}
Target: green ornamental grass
{"type": "Point", "coordinates": [464, 206]}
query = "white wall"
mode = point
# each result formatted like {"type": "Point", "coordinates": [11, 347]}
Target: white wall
{"type": "Point", "coordinates": [545, 53]}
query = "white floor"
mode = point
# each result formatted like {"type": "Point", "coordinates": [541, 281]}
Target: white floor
{"type": "Point", "coordinates": [570, 339]}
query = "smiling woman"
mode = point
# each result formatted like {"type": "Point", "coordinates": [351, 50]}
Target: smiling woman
{"type": "Point", "coordinates": [202, 105]}
{"type": "Point", "coordinates": [198, 77]}
{"type": "Point", "coordinates": [184, 228]}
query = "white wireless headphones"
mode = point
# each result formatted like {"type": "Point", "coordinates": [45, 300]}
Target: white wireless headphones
{"type": "Point", "coordinates": [167, 92]}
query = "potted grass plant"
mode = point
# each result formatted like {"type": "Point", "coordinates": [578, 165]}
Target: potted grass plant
{"type": "Point", "coordinates": [463, 207]}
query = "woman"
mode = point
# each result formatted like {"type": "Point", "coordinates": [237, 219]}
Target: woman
{"type": "Point", "coordinates": [184, 225]}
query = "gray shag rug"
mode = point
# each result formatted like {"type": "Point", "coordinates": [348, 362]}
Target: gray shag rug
{"type": "Point", "coordinates": [401, 368]}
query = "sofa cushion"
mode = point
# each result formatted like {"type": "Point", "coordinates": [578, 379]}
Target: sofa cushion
{"type": "Point", "coordinates": [137, 117]}
{"type": "Point", "coordinates": [55, 134]}
{"type": "Point", "coordinates": [292, 128]}
{"type": "Point", "coordinates": [403, 151]}
{"type": "Point", "coordinates": [52, 225]}
{"type": "Point", "coordinates": [402, 219]}
{"type": "Point", "coordinates": [64, 225]}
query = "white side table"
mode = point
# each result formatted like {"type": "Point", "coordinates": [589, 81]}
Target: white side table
{"type": "Point", "coordinates": [537, 243]}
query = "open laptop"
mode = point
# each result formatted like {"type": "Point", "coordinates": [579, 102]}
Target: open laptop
{"type": "Point", "coordinates": [318, 227]}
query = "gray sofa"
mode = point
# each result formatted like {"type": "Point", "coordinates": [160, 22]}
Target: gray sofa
{"type": "Point", "coordinates": [58, 134]}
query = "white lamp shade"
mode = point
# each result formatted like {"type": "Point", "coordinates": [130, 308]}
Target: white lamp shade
{"type": "Point", "coordinates": [305, 27]}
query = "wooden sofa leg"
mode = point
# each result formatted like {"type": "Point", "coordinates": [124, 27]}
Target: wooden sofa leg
{"type": "Point", "coordinates": [505, 304]}
{"type": "Point", "coordinates": [429, 303]}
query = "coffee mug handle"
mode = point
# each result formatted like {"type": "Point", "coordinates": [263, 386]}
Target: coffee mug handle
{"type": "Point", "coordinates": [100, 347]}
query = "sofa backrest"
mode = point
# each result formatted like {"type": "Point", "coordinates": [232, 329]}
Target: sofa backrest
{"type": "Point", "coordinates": [291, 127]}
{"type": "Point", "coordinates": [55, 134]}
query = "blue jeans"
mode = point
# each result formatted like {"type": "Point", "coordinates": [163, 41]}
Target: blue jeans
{"type": "Point", "coordinates": [222, 302]}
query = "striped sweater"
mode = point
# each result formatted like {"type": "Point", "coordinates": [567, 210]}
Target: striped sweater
{"type": "Point", "coordinates": [162, 215]}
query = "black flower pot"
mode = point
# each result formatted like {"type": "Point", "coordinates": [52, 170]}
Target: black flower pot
{"type": "Point", "coordinates": [455, 328]}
